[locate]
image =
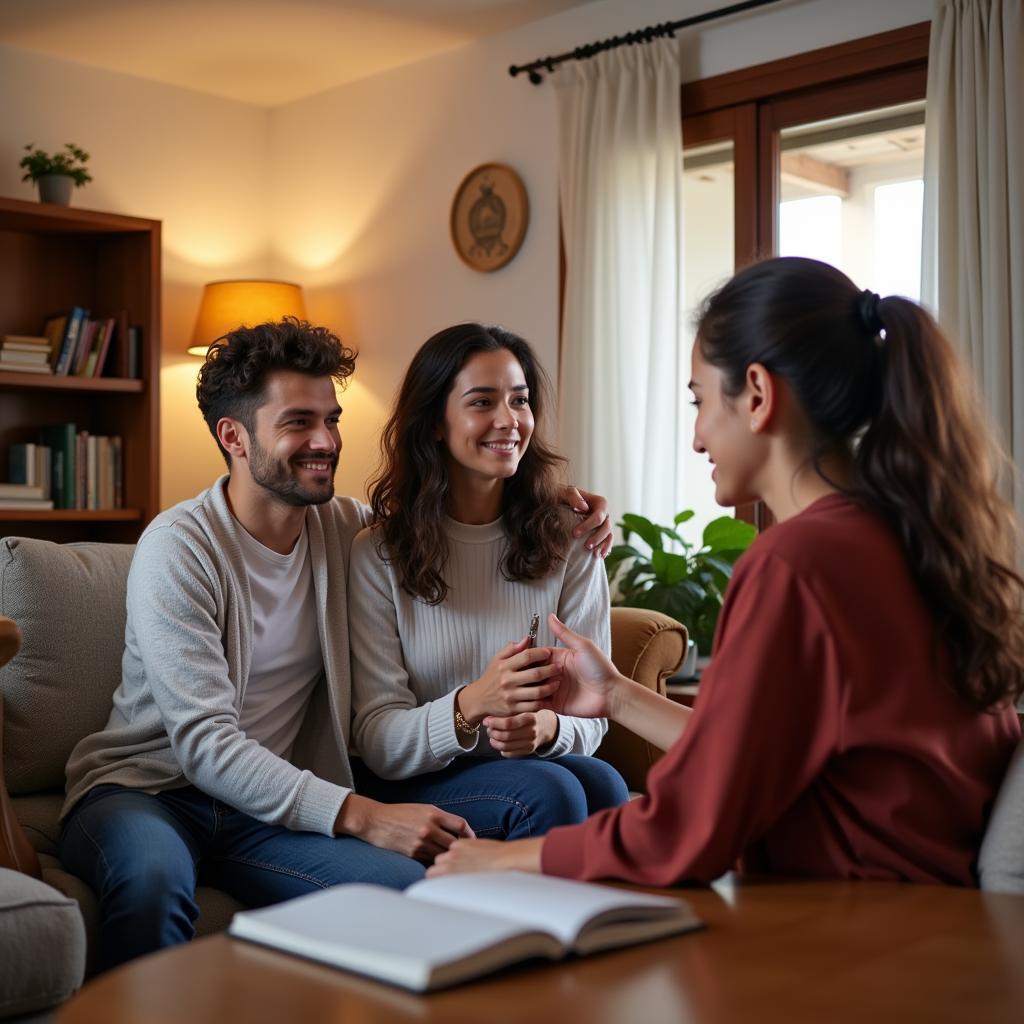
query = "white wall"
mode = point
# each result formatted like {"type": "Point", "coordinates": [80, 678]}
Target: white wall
{"type": "Point", "coordinates": [192, 161]}
{"type": "Point", "coordinates": [363, 178]}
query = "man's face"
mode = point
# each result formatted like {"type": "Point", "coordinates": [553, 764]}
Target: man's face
{"type": "Point", "coordinates": [294, 450]}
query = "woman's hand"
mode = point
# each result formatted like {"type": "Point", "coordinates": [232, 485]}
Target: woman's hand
{"type": "Point", "coordinates": [597, 521]}
{"type": "Point", "coordinates": [521, 735]}
{"type": "Point", "coordinates": [468, 855]}
{"type": "Point", "coordinates": [588, 679]}
{"type": "Point", "coordinates": [517, 681]}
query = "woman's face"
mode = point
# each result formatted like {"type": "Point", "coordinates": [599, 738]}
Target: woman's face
{"type": "Point", "coordinates": [488, 421]}
{"type": "Point", "coordinates": [723, 434]}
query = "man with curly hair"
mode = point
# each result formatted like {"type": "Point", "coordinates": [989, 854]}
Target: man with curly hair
{"type": "Point", "coordinates": [224, 760]}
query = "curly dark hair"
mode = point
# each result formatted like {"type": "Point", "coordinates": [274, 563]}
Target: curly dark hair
{"type": "Point", "coordinates": [232, 378]}
{"type": "Point", "coordinates": [903, 411]}
{"type": "Point", "coordinates": [409, 491]}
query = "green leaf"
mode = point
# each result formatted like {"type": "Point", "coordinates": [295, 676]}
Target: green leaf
{"type": "Point", "coordinates": [672, 601]}
{"type": "Point", "coordinates": [644, 528]}
{"type": "Point", "coordinates": [719, 564]}
{"type": "Point", "coordinates": [669, 568]}
{"type": "Point", "coordinates": [672, 535]}
{"type": "Point", "coordinates": [728, 534]}
{"type": "Point", "coordinates": [684, 517]}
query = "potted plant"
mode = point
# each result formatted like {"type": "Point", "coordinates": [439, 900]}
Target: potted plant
{"type": "Point", "coordinates": [55, 175]}
{"type": "Point", "coordinates": [684, 580]}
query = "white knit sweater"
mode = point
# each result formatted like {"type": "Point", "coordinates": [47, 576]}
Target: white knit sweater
{"type": "Point", "coordinates": [409, 658]}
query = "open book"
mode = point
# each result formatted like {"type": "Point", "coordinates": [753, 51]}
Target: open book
{"type": "Point", "coordinates": [443, 931]}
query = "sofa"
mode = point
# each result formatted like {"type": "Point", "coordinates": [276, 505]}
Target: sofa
{"type": "Point", "coordinates": [69, 602]}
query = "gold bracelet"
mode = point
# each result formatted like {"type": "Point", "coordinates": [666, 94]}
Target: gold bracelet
{"type": "Point", "coordinates": [463, 726]}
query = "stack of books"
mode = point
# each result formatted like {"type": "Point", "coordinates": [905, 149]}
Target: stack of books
{"type": "Point", "coordinates": [25, 353]}
{"type": "Point", "coordinates": [24, 496]}
{"type": "Point", "coordinates": [70, 468]}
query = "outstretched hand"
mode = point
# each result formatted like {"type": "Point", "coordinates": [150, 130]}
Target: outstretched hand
{"type": "Point", "coordinates": [587, 677]}
{"type": "Point", "coordinates": [465, 856]}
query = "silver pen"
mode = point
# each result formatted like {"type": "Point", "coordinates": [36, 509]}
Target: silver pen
{"type": "Point", "coordinates": [534, 628]}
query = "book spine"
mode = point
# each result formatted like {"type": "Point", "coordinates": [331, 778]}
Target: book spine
{"type": "Point", "coordinates": [81, 468]}
{"type": "Point", "coordinates": [105, 488]}
{"type": "Point", "coordinates": [21, 464]}
{"type": "Point", "coordinates": [71, 333]}
{"type": "Point", "coordinates": [85, 344]}
{"type": "Point", "coordinates": [54, 331]}
{"type": "Point", "coordinates": [103, 346]}
{"type": "Point", "coordinates": [62, 440]}
{"type": "Point", "coordinates": [44, 470]}
{"type": "Point", "coordinates": [117, 458]}
{"type": "Point", "coordinates": [88, 472]}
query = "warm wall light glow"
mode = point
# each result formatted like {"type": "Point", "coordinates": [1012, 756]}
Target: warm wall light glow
{"type": "Point", "coordinates": [229, 304]}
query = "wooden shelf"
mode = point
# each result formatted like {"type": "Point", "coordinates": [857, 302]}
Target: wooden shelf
{"type": "Point", "coordinates": [70, 515]}
{"type": "Point", "coordinates": [50, 382]}
{"type": "Point", "coordinates": [51, 259]}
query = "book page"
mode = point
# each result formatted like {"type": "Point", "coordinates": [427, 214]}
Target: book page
{"type": "Point", "coordinates": [377, 931]}
{"type": "Point", "coordinates": [564, 908]}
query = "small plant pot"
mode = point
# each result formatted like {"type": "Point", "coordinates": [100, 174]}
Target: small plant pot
{"type": "Point", "coordinates": [56, 188]}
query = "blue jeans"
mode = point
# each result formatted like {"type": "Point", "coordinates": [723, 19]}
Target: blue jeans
{"type": "Point", "coordinates": [144, 855]}
{"type": "Point", "coordinates": [507, 798]}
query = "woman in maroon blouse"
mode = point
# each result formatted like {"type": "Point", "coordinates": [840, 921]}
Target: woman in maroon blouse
{"type": "Point", "coordinates": [856, 719]}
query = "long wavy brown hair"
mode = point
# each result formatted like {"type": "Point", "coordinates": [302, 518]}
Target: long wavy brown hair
{"type": "Point", "coordinates": [409, 491]}
{"type": "Point", "coordinates": [881, 385]}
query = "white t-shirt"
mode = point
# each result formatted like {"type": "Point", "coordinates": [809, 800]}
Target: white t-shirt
{"type": "Point", "coordinates": [286, 655]}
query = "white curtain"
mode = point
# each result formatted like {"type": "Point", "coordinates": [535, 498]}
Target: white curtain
{"type": "Point", "coordinates": [622, 377]}
{"type": "Point", "coordinates": [973, 270]}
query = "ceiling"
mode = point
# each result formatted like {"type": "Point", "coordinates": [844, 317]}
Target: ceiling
{"type": "Point", "coordinates": [265, 52]}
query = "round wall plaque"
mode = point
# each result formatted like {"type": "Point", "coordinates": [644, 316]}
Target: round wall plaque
{"type": "Point", "coordinates": [490, 213]}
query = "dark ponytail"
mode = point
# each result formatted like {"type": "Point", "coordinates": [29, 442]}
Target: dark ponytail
{"type": "Point", "coordinates": [880, 384]}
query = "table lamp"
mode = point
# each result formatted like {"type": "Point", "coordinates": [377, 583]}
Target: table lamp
{"type": "Point", "coordinates": [227, 305]}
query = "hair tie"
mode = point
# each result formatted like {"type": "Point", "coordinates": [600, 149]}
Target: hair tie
{"type": "Point", "coordinates": [867, 307]}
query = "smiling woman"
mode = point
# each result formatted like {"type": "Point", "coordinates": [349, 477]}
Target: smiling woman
{"type": "Point", "coordinates": [469, 544]}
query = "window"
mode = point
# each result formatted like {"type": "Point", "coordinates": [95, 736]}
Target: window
{"type": "Point", "coordinates": [824, 154]}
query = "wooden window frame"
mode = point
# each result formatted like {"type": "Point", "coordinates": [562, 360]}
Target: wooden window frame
{"type": "Point", "coordinates": [752, 105]}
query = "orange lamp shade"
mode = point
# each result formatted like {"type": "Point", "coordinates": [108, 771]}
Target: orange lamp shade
{"type": "Point", "coordinates": [227, 305]}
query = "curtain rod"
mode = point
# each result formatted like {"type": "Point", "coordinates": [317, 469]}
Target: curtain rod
{"type": "Point", "coordinates": [643, 35]}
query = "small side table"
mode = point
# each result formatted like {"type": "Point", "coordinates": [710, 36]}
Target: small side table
{"type": "Point", "coordinates": [682, 693]}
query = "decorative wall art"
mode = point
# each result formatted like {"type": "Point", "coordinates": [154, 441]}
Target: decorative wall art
{"type": "Point", "coordinates": [490, 213]}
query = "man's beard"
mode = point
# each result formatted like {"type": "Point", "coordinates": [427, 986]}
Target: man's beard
{"type": "Point", "coordinates": [276, 476]}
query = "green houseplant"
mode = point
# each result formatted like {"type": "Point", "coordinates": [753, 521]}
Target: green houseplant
{"type": "Point", "coordinates": [679, 578]}
{"type": "Point", "coordinates": [55, 174]}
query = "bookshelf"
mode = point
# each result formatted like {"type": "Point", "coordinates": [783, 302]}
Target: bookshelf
{"type": "Point", "coordinates": [53, 258]}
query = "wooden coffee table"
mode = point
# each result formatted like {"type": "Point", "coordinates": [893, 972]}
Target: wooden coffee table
{"type": "Point", "coordinates": [803, 951]}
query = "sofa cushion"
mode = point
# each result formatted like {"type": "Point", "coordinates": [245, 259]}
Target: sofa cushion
{"type": "Point", "coordinates": [43, 939]}
{"type": "Point", "coordinates": [69, 600]}
{"type": "Point", "coordinates": [39, 817]}
{"type": "Point", "coordinates": [1001, 861]}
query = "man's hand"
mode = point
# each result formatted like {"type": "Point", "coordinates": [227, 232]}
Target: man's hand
{"type": "Point", "coordinates": [469, 855]}
{"type": "Point", "coordinates": [516, 681]}
{"type": "Point", "coordinates": [587, 678]}
{"type": "Point", "coordinates": [421, 831]}
{"type": "Point", "coordinates": [597, 522]}
{"type": "Point", "coordinates": [521, 735]}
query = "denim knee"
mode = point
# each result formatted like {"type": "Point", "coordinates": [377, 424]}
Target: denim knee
{"type": "Point", "coordinates": [557, 798]}
{"type": "Point", "coordinates": [603, 785]}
